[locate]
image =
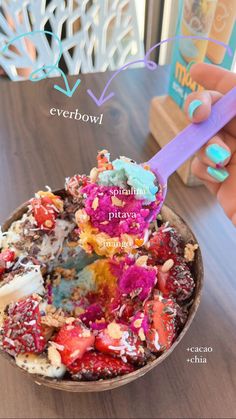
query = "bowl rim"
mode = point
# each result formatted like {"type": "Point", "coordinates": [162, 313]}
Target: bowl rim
{"type": "Point", "coordinates": [108, 384]}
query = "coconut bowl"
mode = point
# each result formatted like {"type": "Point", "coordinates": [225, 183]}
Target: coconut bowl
{"type": "Point", "coordinates": [102, 385]}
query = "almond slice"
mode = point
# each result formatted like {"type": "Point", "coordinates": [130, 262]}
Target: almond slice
{"type": "Point", "coordinates": [117, 202]}
{"type": "Point", "coordinates": [142, 260]}
{"type": "Point", "coordinates": [167, 265]}
{"type": "Point", "coordinates": [95, 203]}
{"type": "Point", "coordinates": [114, 330]}
{"type": "Point", "coordinates": [54, 356]}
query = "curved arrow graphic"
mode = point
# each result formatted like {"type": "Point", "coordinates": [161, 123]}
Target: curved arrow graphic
{"type": "Point", "coordinates": [151, 65]}
{"type": "Point", "coordinates": [67, 91]}
{"type": "Point", "coordinates": [174, 38]}
{"type": "Point", "coordinates": [102, 99]}
{"type": "Point", "coordinates": [47, 69]}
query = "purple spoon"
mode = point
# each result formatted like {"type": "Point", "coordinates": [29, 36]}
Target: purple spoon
{"type": "Point", "coordinates": [190, 140]}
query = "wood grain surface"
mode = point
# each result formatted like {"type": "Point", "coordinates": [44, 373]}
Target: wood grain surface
{"type": "Point", "coordinates": [38, 149]}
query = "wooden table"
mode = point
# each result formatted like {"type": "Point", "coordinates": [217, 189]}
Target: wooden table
{"type": "Point", "coordinates": [39, 149]}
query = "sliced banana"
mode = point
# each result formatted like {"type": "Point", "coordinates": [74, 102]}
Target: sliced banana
{"type": "Point", "coordinates": [39, 364]}
{"type": "Point", "coordinates": [50, 246]}
{"type": "Point", "coordinates": [21, 286]}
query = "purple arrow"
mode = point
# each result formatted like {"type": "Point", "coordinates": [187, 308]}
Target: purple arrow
{"type": "Point", "coordinates": [151, 65]}
{"type": "Point", "coordinates": [102, 99]}
{"type": "Point", "coordinates": [174, 38]}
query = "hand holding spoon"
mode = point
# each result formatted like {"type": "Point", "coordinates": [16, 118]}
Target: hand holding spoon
{"type": "Point", "coordinates": [191, 139]}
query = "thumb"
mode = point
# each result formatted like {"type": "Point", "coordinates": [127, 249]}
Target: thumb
{"type": "Point", "coordinates": [198, 105]}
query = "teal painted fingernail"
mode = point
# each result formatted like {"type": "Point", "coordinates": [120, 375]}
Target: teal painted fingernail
{"type": "Point", "coordinates": [193, 106]}
{"type": "Point", "coordinates": [217, 154]}
{"type": "Point", "coordinates": [190, 65]}
{"type": "Point", "coordinates": [218, 174]}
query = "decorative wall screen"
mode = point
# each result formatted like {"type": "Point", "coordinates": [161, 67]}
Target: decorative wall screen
{"type": "Point", "coordinates": [96, 35]}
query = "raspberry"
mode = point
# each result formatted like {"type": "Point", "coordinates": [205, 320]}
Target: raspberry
{"type": "Point", "coordinates": [7, 258]}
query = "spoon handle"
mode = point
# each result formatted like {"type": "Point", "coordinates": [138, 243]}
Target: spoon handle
{"type": "Point", "coordinates": [193, 137]}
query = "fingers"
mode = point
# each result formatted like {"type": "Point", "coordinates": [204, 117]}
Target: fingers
{"type": "Point", "coordinates": [216, 153]}
{"type": "Point", "coordinates": [216, 162]}
{"type": "Point", "coordinates": [226, 195]}
{"type": "Point", "coordinates": [216, 156]}
{"type": "Point", "coordinates": [212, 77]}
{"type": "Point", "coordinates": [198, 105]}
{"type": "Point", "coordinates": [199, 170]}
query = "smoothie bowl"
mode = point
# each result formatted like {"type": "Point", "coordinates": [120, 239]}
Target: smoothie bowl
{"type": "Point", "coordinates": [96, 287]}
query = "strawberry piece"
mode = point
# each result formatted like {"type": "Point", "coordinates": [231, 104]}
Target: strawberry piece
{"type": "Point", "coordinates": [166, 243]}
{"type": "Point", "coordinates": [7, 258]}
{"type": "Point", "coordinates": [75, 339]}
{"type": "Point", "coordinates": [128, 309]}
{"type": "Point", "coordinates": [112, 307]}
{"type": "Point", "coordinates": [7, 255]}
{"type": "Point", "coordinates": [178, 282]}
{"type": "Point", "coordinates": [44, 212]}
{"type": "Point", "coordinates": [22, 329]}
{"type": "Point", "coordinates": [162, 281]}
{"type": "Point", "coordinates": [95, 366]}
{"type": "Point", "coordinates": [161, 315]}
{"type": "Point", "coordinates": [118, 339]}
{"type": "Point", "coordinates": [2, 267]}
{"type": "Point", "coordinates": [75, 183]}
{"type": "Point", "coordinates": [121, 308]}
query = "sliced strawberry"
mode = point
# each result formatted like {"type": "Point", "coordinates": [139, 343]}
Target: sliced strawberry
{"type": "Point", "coordinates": [7, 255]}
{"type": "Point", "coordinates": [178, 282]}
{"type": "Point", "coordinates": [75, 339]}
{"type": "Point", "coordinates": [165, 244]}
{"type": "Point", "coordinates": [112, 307]}
{"type": "Point", "coordinates": [128, 309]}
{"type": "Point", "coordinates": [48, 198]}
{"type": "Point", "coordinates": [45, 211]}
{"type": "Point", "coordinates": [22, 329]}
{"type": "Point", "coordinates": [118, 339]}
{"type": "Point", "coordinates": [2, 267]}
{"type": "Point", "coordinates": [161, 314]}
{"type": "Point", "coordinates": [96, 366]}
{"type": "Point", "coordinates": [162, 280]}
{"type": "Point", "coordinates": [7, 258]}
